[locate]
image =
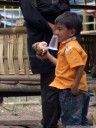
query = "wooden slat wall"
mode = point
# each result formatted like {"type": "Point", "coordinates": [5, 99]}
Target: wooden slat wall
{"type": "Point", "coordinates": [14, 55]}
{"type": "Point", "coordinates": [88, 42]}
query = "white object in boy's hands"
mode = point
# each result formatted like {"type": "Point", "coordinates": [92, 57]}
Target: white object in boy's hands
{"type": "Point", "coordinates": [42, 44]}
{"type": "Point", "coordinates": [53, 45]}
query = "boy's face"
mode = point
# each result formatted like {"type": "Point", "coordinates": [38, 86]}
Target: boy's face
{"type": "Point", "coordinates": [63, 33]}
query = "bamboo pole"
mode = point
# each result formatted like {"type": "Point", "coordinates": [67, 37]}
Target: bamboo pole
{"type": "Point", "coordinates": [21, 82]}
{"type": "Point", "coordinates": [19, 30]}
{"type": "Point", "coordinates": [19, 77]}
{"type": "Point", "coordinates": [33, 87]}
{"type": "Point", "coordinates": [88, 32]}
{"type": "Point", "coordinates": [13, 30]}
{"type": "Point", "coordinates": [20, 103]}
{"type": "Point", "coordinates": [19, 88]}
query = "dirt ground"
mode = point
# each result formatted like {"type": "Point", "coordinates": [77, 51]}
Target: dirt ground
{"type": "Point", "coordinates": [18, 112]}
{"type": "Point", "coordinates": [21, 105]}
{"type": "Point", "coordinates": [21, 111]}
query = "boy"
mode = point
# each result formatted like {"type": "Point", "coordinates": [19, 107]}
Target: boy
{"type": "Point", "coordinates": [70, 77]}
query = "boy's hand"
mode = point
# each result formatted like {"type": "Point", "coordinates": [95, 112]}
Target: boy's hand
{"type": "Point", "coordinates": [35, 46]}
{"type": "Point", "coordinates": [43, 54]}
{"type": "Point", "coordinates": [42, 45]}
{"type": "Point", "coordinates": [74, 90]}
{"type": "Point", "coordinates": [39, 48]}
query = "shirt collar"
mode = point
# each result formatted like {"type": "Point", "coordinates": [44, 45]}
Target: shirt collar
{"type": "Point", "coordinates": [70, 39]}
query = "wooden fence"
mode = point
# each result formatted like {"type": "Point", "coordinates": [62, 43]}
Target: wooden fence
{"type": "Point", "coordinates": [13, 53]}
{"type": "Point", "coordinates": [88, 42]}
{"type": "Point", "coordinates": [14, 63]}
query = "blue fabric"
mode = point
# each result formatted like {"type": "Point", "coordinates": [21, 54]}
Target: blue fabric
{"type": "Point", "coordinates": [74, 108]}
{"type": "Point", "coordinates": [78, 2]}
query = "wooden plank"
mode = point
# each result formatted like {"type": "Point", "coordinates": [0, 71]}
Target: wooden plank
{"type": "Point", "coordinates": [20, 54]}
{"type": "Point", "coordinates": [19, 88]}
{"type": "Point", "coordinates": [26, 60]}
{"type": "Point", "coordinates": [21, 82]}
{"type": "Point", "coordinates": [1, 55]}
{"type": "Point", "coordinates": [20, 120]}
{"type": "Point", "coordinates": [20, 77]}
{"type": "Point", "coordinates": [10, 54]}
{"type": "Point", "coordinates": [2, 126]}
{"type": "Point", "coordinates": [13, 30]}
{"type": "Point", "coordinates": [30, 88]}
{"type": "Point", "coordinates": [16, 63]}
{"type": "Point", "coordinates": [92, 32]}
{"type": "Point", "coordinates": [5, 58]}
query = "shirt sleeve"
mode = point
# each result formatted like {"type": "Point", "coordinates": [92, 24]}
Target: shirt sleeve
{"type": "Point", "coordinates": [73, 58]}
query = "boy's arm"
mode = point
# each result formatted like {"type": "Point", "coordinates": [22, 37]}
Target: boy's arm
{"type": "Point", "coordinates": [74, 88]}
{"type": "Point", "coordinates": [47, 56]}
{"type": "Point", "coordinates": [51, 58]}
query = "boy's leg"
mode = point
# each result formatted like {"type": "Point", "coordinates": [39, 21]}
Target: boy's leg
{"type": "Point", "coordinates": [85, 108]}
{"type": "Point", "coordinates": [71, 108]}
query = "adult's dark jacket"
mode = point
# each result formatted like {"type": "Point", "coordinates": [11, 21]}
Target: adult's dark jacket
{"type": "Point", "coordinates": [36, 14]}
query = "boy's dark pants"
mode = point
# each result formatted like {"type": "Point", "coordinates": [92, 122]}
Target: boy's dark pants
{"type": "Point", "coordinates": [50, 101]}
{"type": "Point", "coordinates": [74, 108]}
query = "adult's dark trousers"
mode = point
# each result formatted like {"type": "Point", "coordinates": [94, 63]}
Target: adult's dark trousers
{"type": "Point", "coordinates": [50, 101]}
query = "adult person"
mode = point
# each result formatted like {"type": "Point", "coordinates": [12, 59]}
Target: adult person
{"type": "Point", "coordinates": [39, 16]}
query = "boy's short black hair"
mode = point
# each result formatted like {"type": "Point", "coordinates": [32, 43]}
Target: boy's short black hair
{"type": "Point", "coordinates": [71, 20]}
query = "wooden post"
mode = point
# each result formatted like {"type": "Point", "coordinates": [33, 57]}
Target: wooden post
{"type": "Point", "coordinates": [10, 54]}
{"type": "Point", "coordinates": [1, 56]}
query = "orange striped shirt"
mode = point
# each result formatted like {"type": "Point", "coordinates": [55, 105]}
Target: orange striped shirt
{"type": "Point", "coordinates": [70, 56]}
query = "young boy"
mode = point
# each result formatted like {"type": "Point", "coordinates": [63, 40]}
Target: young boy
{"type": "Point", "coordinates": [70, 77]}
